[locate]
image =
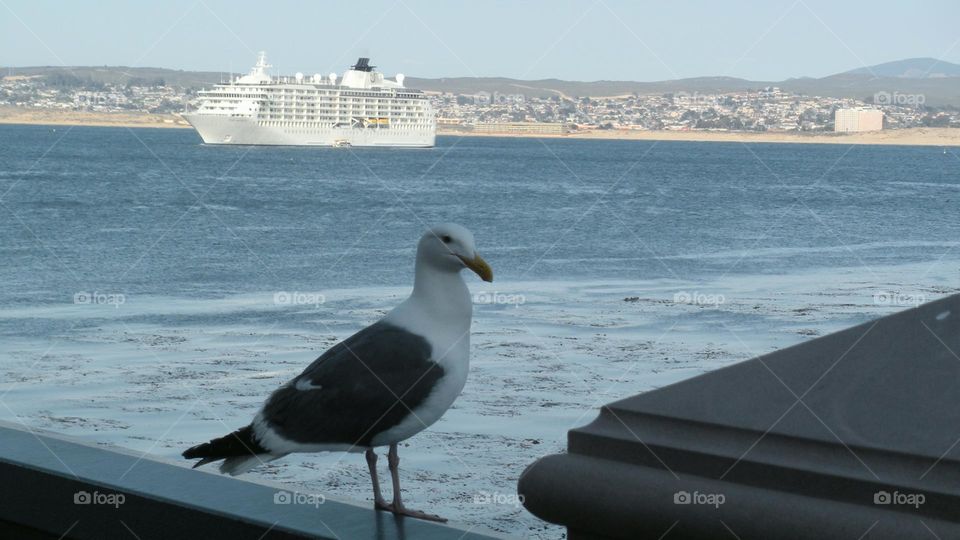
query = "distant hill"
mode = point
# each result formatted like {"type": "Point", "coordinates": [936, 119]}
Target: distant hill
{"type": "Point", "coordinates": [937, 92]}
{"type": "Point", "coordinates": [912, 68]}
{"type": "Point", "coordinates": [119, 75]}
{"type": "Point", "coordinates": [937, 81]}
{"type": "Point", "coordinates": [556, 87]}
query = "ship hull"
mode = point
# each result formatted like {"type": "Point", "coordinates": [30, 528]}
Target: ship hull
{"type": "Point", "coordinates": [216, 129]}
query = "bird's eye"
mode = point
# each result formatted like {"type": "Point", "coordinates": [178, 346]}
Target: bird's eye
{"type": "Point", "coordinates": [446, 239]}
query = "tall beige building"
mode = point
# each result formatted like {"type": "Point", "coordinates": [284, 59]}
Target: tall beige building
{"type": "Point", "coordinates": [853, 120]}
{"type": "Point", "coordinates": [540, 128]}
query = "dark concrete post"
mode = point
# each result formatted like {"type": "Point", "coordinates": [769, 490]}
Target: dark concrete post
{"type": "Point", "coordinates": [855, 434]}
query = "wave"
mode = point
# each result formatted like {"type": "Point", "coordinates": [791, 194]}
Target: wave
{"type": "Point", "coordinates": [793, 251]}
{"type": "Point", "coordinates": [925, 184]}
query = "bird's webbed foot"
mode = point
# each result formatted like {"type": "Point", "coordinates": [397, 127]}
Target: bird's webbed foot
{"type": "Point", "coordinates": [406, 512]}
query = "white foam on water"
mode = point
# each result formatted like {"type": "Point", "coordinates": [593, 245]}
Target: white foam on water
{"type": "Point", "coordinates": [925, 185]}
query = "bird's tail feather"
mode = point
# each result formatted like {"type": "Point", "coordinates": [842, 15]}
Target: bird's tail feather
{"type": "Point", "coordinates": [240, 451]}
{"type": "Point", "coordinates": [239, 465]}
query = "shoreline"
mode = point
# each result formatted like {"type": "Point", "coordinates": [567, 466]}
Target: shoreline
{"type": "Point", "coordinates": [50, 117]}
{"type": "Point", "coordinates": [942, 137]}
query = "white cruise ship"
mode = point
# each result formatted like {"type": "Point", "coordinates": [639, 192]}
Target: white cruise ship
{"type": "Point", "coordinates": [361, 109]}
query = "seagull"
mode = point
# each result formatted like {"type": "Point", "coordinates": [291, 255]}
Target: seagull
{"type": "Point", "coordinates": [378, 387]}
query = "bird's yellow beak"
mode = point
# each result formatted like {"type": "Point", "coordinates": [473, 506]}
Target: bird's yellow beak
{"type": "Point", "coordinates": [480, 266]}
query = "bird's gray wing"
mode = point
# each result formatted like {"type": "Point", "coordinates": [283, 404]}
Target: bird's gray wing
{"type": "Point", "coordinates": [360, 387]}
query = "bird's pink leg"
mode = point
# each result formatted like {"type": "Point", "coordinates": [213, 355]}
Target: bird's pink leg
{"type": "Point", "coordinates": [378, 501]}
{"type": "Point", "coordinates": [393, 460]}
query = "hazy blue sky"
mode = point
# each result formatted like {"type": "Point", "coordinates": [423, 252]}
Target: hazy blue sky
{"type": "Point", "coordinates": [581, 40]}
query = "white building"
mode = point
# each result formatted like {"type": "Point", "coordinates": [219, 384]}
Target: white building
{"type": "Point", "coordinates": [856, 120]}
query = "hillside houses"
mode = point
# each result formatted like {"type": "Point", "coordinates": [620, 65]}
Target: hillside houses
{"type": "Point", "coordinates": [763, 109]}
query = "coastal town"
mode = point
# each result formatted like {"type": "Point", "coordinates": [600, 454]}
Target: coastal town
{"type": "Point", "coordinates": [767, 109]}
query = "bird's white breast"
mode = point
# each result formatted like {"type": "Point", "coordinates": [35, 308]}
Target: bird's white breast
{"type": "Point", "coordinates": [450, 344]}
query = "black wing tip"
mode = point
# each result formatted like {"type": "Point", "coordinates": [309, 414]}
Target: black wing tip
{"type": "Point", "coordinates": [194, 451]}
{"type": "Point", "coordinates": [239, 443]}
{"type": "Point", "coordinates": [202, 451]}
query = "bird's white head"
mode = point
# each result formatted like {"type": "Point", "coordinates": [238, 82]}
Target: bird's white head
{"type": "Point", "coordinates": [450, 248]}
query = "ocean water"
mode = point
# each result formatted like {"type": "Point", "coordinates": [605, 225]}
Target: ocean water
{"type": "Point", "coordinates": [154, 212]}
{"type": "Point", "coordinates": [147, 280]}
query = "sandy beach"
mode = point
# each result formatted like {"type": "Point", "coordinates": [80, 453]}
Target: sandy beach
{"type": "Point", "coordinates": [52, 117]}
{"type": "Point", "coordinates": [904, 137]}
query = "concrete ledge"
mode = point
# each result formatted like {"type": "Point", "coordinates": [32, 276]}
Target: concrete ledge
{"type": "Point", "coordinates": [54, 487]}
{"type": "Point", "coordinates": [850, 435]}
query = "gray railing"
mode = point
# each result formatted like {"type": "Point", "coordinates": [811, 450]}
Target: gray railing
{"type": "Point", "coordinates": [54, 487]}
